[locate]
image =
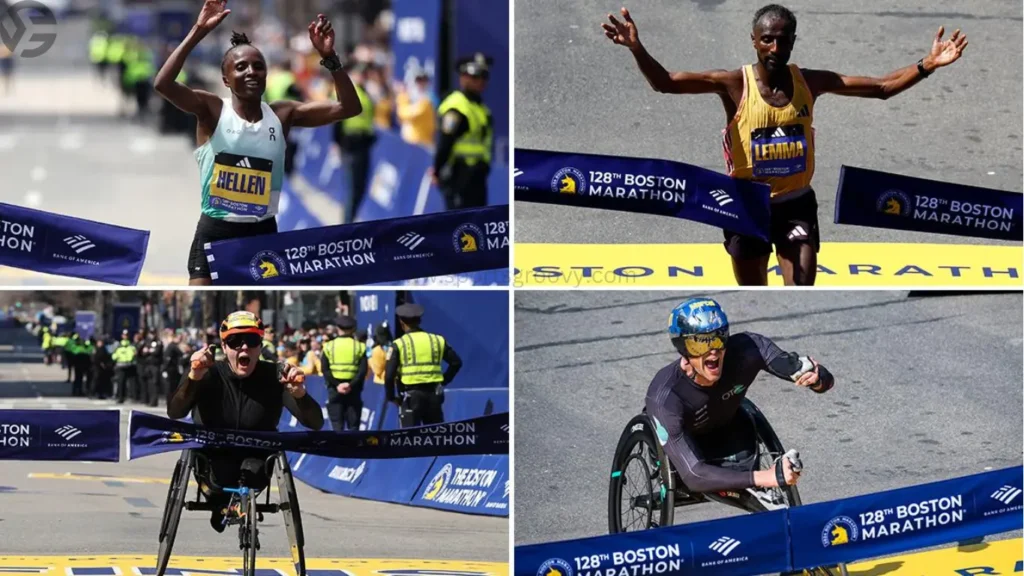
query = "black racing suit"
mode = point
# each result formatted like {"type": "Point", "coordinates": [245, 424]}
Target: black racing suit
{"type": "Point", "coordinates": [223, 400]}
{"type": "Point", "coordinates": [708, 434]}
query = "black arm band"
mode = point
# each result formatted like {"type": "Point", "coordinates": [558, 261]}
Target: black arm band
{"type": "Point", "coordinates": [332, 63]}
{"type": "Point", "coordinates": [780, 476]}
{"type": "Point", "coordinates": [920, 69]}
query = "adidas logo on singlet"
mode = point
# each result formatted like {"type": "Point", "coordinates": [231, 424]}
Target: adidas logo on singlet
{"type": "Point", "coordinates": [244, 163]}
{"type": "Point", "coordinates": [779, 133]}
{"type": "Point", "coordinates": [803, 113]}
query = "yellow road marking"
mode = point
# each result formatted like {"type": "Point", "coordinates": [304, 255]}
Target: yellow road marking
{"type": "Point", "coordinates": [839, 264]}
{"type": "Point", "coordinates": [999, 557]}
{"type": "Point", "coordinates": [122, 479]}
{"type": "Point", "coordinates": [131, 564]}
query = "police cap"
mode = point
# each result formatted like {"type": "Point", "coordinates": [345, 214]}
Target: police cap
{"type": "Point", "coordinates": [346, 323]}
{"type": "Point", "coordinates": [478, 65]}
{"type": "Point", "coordinates": [409, 311]}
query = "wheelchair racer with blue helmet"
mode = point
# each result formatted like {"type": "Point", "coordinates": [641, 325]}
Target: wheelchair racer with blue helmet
{"type": "Point", "coordinates": [695, 402]}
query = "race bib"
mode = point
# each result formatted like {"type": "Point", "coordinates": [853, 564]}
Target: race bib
{"type": "Point", "coordinates": [241, 184]}
{"type": "Point", "coordinates": [778, 150]}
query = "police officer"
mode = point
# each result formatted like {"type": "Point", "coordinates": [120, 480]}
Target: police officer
{"type": "Point", "coordinates": [47, 345]}
{"type": "Point", "coordinates": [57, 352]}
{"type": "Point", "coordinates": [269, 351]}
{"type": "Point", "coordinates": [83, 373]}
{"type": "Point", "coordinates": [414, 361]}
{"type": "Point", "coordinates": [463, 159]}
{"type": "Point", "coordinates": [124, 367]}
{"type": "Point", "coordinates": [71, 349]}
{"type": "Point", "coordinates": [102, 371]}
{"type": "Point", "coordinates": [172, 364]}
{"type": "Point", "coordinates": [355, 136]}
{"type": "Point", "coordinates": [344, 367]}
{"type": "Point", "coordinates": [98, 47]}
{"type": "Point", "coordinates": [154, 359]}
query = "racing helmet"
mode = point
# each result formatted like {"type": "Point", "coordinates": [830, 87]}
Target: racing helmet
{"type": "Point", "coordinates": [241, 322]}
{"type": "Point", "coordinates": [697, 326]}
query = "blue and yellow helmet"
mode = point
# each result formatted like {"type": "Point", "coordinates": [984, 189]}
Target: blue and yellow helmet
{"type": "Point", "coordinates": [697, 326]}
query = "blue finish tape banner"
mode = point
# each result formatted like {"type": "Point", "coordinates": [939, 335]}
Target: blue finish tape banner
{"type": "Point", "coordinates": [736, 546]}
{"type": "Point", "coordinates": [476, 484]}
{"type": "Point", "coordinates": [369, 252]}
{"type": "Point", "coordinates": [416, 38]}
{"type": "Point", "coordinates": [907, 518]}
{"type": "Point", "coordinates": [883, 200]}
{"type": "Point", "coordinates": [56, 244]}
{"type": "Point", "coordinates": [645, 186]}
{"type": "Point", "coordinates": [82, 435]}
{"type": "Point", "coordinates": [149, 434]}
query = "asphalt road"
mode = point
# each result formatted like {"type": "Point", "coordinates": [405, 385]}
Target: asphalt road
{"type": "Point", "coordinates": [117, 510]}
{"type": "Point", "coordinates": [927, 389]}
{"type": "Point", "coordinates": [577, 92]}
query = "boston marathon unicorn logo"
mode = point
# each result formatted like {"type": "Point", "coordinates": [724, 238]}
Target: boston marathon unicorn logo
{"type": "Point", "coordinates": [839, 530]}
{"type": "Point", "coordinates": [894, 203]}
{"type": "Point", "coordinates": [467, 238]}
{"type": "Point", "coordinates": [266, 264]}
{"type": "Point", "coordinates": [268, 270]}
{"type": "Point", "coordinates": [568, 181]}
{"type": "Point", "coordinates": [438, 483]}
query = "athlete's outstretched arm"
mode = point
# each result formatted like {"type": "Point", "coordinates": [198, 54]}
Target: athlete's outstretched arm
{"type": "Point", "coordinates": [790, 366]}
{"type": "Point", "coordinates": [196, 102]}
{"type": "Point", "coordinates": [699, 476]}
{"type": "Point", "coordinates": [943, 53]}
{"type": "Point", "coordinates": [308, 114]}
{"type": "Point", "coordinates": [660, 79]}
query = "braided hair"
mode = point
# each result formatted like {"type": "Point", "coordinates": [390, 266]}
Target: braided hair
{"type": "Point", "coordinates": [776, 11]}
{"type": "Point", "coordinates": [237, 39]}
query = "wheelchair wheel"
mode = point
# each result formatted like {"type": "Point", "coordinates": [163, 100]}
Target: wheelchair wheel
{"type": "Point", "coordinates": [290, 511]}
{"type": "Point", "coordinates": [172, 509]}
{"type": "Point", "coordinates": [250, 535]}
{"type": "Point", "coordinates": [769, 449]}
{"type": "Point", "coordinates": [641, 483]}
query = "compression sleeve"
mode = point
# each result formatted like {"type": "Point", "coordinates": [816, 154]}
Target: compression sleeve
{"type": "Point", "coordinates": [785, 364]}
{"type": "Point", "coordinates": [305, 409]}
{"type": "Point", "coordinates": [695, 473]}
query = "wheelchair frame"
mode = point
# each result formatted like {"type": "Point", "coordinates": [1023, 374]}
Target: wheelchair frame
{"type": "Point", "coordinates": [186, 469]}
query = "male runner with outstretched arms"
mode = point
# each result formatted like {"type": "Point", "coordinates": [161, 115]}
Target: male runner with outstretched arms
{"type": "Point", "coordinates": [695, 401]}
{"type": "Point", "coordinates": [769, 137]}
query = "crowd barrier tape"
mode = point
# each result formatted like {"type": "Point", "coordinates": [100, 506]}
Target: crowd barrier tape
{"type": "Point", "coordinates": [56, 244]}
{"type": "Point", "coordinates": [477, 484]}
{"type": "Point", "coordinates": [644, 186]}
{"type": "Point", "coordinates": [821, 534]}
{"type": "Point", "coordinates": [149, 434]}
{"type": "Point", "coordinates": [882, 200]}
{"type": "Point", "coordinates": [453, 242]}
{"type": "Point", "coordinates": [89, 435]}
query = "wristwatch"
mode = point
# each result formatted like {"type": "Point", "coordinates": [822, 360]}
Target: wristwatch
{"type": "Point", "coordinates": [920, 69]}
{"type": "Point", "coordinates": [332, 63]}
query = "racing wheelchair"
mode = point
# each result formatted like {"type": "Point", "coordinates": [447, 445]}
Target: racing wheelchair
{"type": "Point", "coordinates": [653, 492]}
{"type": "Point", "coordinates": [248, 512]}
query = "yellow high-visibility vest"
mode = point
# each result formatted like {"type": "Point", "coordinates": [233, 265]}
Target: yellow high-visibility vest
{"type": "Point", "coordinates": [420, 354]}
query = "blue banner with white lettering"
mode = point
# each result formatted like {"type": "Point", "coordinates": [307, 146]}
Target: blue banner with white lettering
{"type": "Point", "coordinates": [66, 246]}
{"type": "Point", "coordinates": [85, 324]}
{"type": "Point", "coordinates": [149, 434]}
{"type": "Point", "coordinates": [477, 484]}
{"type": "Point", "coordinates": [82, 435]}
{"type": "Point", "coordinates": [415, 38]}
{"type": "Point", "coordinates": [645, 186]}
{"type": "Point", "coordinates": [483, 27]}
{"type": "Point", "coordinates": [882, 200]}
{"type": "Point", "coordinates": [399, 182]}
{"type": "Point", "coordinates": [735, 546]}
{"type": "Point", "coordinates": [126, 317]}
{"type": "Point", "coordinates": [907, 518]}
{"type": "Point", "coordinates": [452, 242]}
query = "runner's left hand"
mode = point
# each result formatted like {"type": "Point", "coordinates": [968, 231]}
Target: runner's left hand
{"type": "Point", "coordinates": [294, 381]}
{"type": "Point", "coordinates": [945, 52]}
{"type": "Point", "coordinates": [321, 34]}
{"type": "Point", "coordinates": [809, 378]}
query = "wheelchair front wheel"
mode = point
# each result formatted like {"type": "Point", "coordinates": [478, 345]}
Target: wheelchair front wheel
{"type": "Point", "coordinates": [290, 511]}
{"type": "Point", "coordinates": [249, 534]}
{"type": "Point", "coordinates": [641, 481]}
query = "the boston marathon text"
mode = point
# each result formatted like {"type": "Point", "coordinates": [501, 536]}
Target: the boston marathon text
{"type": "Point", "coordinates": [637, 187]}
{"type": "Point", "coordinates": [17, 236]}
{"type": "Point", "coordinates": [330, 255]}
{"type": "Point", "coordinates": [637, 562]}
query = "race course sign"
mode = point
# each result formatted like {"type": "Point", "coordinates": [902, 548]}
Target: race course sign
{"type": "Point", "coordinates": [149, 434]}
{"type": "Point", "coordinates": [883, 200]}
{"type": "Point", "coordinates": [644, 186]}
{"type": "Point", "coordinates": [446, 243]}
{"type": "Point", "coordinates": [92, 435]}
{"type": "Point", "coordinates": [57, 244]}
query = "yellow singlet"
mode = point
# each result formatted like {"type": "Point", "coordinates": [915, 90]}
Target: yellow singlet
{"type": "Point", "coordinates": [770, 144]}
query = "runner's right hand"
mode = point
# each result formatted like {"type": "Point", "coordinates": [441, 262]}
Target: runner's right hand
{"type": "Point", "coordinates": [622, 33]}
{"type": "Point", "coordinates": [792, 476]}
{"type": "Point", "coordinates": [212, 14]}
{"type": "Point", "coordinates": [201, 361]}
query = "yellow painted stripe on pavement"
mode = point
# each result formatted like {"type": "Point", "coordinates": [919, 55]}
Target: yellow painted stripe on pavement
{"type": "Point", "coordinates": [999, 557]}
{"type": "Point", "coordinates": [127, 565]}
{"type": "Point", "coordinates": [122, 479]}
{"type": "Point", "coordinates": [839, 264]}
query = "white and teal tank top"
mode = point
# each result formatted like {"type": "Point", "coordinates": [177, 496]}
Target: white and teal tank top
{"type": "Point", "coordinates": [241, 167]}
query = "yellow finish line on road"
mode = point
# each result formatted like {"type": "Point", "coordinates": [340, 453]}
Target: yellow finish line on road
{"type": "Point", "coordinates": [144, 565]}
{"type": "Point", "coordinates": [1002, 557]}
{"type": "Point", "coordinates": [839, 264]}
